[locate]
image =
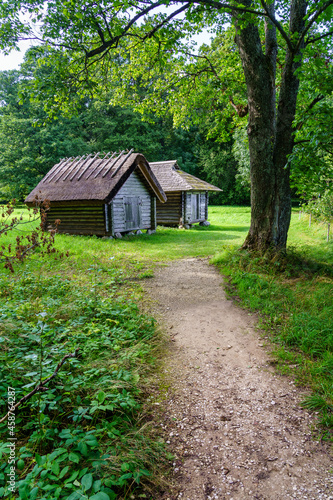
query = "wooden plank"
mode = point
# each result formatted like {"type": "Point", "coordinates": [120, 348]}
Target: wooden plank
{"type": "Point", "coordinates": [79, 227]}
{"type": "Point", "coordinates": [76, 211]}
{"type": "Point", "coordinates": [73, 221]}
{"type": "Point", "coordinates": [83, 227]}
{"type": "Point", "coordinates": [77, 207]}
{"type": "Point", "coordinates": [85, 215]}
{"type": "Point", "coordinates": [82, 232]}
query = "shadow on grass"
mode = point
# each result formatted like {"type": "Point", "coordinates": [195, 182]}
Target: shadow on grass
{"type": "Point", "coordinates": [166, 243]}
{"type": "Point", "coordinates": [213, 227]}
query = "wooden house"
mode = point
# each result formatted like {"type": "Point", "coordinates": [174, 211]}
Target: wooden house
{"type": "Point", "coordinates": [105, 195]}
{"type": "Point", "coordinates": [187, 196]}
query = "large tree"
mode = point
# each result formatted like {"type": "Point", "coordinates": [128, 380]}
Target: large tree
{"type": "Point", "coordinates": [273, 40]}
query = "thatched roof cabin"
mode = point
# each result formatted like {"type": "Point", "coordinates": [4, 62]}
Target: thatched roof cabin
{"type": "Point", "coordinates": [187, 195]}
{"type": "Point", "coordinates": [102, 194]}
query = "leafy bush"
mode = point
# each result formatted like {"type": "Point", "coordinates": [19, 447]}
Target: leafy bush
{"type": "Point", "coordinates": [79, 437]}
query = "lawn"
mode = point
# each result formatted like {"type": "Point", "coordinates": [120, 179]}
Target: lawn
{"type": "Point", "coordinates": [229, 226]}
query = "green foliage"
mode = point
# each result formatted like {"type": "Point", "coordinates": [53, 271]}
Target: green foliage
{"type": "Point", "coordinates": [196, 87]}
{"type": "Point", "coordinates": [29, 148]}
{"type": "Point", "coordinates": [28, 227]}
{"type": "Point", "coordinates": [89, 48]}
{"type": "Point", "coordinates": [321, 208]}
{"type": "Point", "coordinates": [312, 158]}
{"type": "Point", "coordinates": [79, 438]}
{"type": "Point", "coordinates": [219, 167]}
{"type": "Point", "coordinates": [30, 144]}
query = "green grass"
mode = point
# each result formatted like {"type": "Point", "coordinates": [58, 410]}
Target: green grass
{"type": "Point", "coordinates": [87, 432]}
{"type": "Point", "coordinates": [228, 226]}
{"type": "Point", "coordinates": [310, 240]}
{"type": "Point", "coordinates": [293, 295]}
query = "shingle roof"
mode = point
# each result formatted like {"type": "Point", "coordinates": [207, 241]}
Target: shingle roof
{"type": "Point", "coordinates": [94, 177]}
{"type": "Point", "coordinates": [172, 178]}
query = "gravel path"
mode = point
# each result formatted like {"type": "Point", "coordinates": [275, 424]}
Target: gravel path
{"type": "Point", "coordinates": [235, 427]}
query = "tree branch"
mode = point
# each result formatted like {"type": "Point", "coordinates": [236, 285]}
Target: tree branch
{"type": "Point", "coordinates": [41, 385]}
{"type": "Point", "coordinates": [312, 40]}
{"type": "Point", "coordinates": [211, 3]}
{"type": "Point", "coordinates": [311, 105]}
{"type": "Point", "coordinates": [312, 21]}
{"type": "Point", "coordinates": [211, 65]}
{"type": "Point", "coordinates": [233, 8]}
{"type": "Point", "coordinates": [115, 40]}
{"type": "Point", "coordinates": [240, 110]}
{"type": "Point", "coordinates": [166, 20]}
{"type": "Point", "coordinates": [270, 14]}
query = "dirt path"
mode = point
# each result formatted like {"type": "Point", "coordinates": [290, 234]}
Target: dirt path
{"type": "Point", "coordinates": [235, 427]}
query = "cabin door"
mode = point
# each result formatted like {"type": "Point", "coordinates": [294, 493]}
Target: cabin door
{"type": "Point", "coordinates": [133, 209]}
{"type": "Point", "coordinates": [195, 202]}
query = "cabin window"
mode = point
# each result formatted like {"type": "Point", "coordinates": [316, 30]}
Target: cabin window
{"type": "Point", "coordinates": [133, 209]}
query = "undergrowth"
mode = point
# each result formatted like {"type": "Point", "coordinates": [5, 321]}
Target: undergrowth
{"type": "Point", "coordinates": [293, 295]}
{"type": "Point", "coordinates": [84, 436]}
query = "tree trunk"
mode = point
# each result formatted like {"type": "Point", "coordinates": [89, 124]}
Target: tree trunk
{"type": "Point", "coordinates": [270, 133]}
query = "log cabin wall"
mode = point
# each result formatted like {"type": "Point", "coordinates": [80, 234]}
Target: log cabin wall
{"type": "Point", "coordinates": [203, 206]}
{"type": "Point", "coordinates": [195, 207]}
{"type": "Point", "coordinates": [77, 219]}
{"type": "Point", "coordinates": [170, 213]}
{"type": "Point", "coordinates": [133, 206]}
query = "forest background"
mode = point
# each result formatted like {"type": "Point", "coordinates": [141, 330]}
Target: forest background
{"type": "Point", "coordinates": [202, 129]}
{"type": "Point", "coordinates": [31, 143]}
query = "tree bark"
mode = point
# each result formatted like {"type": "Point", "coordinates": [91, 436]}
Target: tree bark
{"type": "Point", "coordinates": [284, 142]}
{"type": "Point", "coordinates": [270, 132]}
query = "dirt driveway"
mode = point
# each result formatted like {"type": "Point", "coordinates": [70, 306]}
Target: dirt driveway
{"type": "Point", "coordinates": [235, 427]}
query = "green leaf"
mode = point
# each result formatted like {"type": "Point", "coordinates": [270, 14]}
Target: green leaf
{"type": "Point", "coordinates": [56, 453]}
{"type": "Point", "coordinates": [83, 472]}
{"type": "Point", "coordinates": [101, 396]}
{"type": "Point", "coordinates": [55, 468]}
{"type": "Point", "coordinates": [33, 493]}
{"type": "Point", "coordinates": [26, 386]}
{"type": "Point", "coordinates": [20, 464]}
{"type": "Point", "coordinates": [86, 481]}
{"type": "Point", "coordinates": [63, 472]}
{"type": "Point", "coordinates": [72, 477]}
{"type": "Point", "coordinates": [92, 441]}
{"type": "Point", "coordinates": [125, 467]}
{"type": "Point", "coordinates": [73, 457]}
{"type": "Point", "coordinates": [83, 448]}
{"type": "Point", "coordinates": [100, 496]}
{"type": "Point", "coordinates": [74, 496]}
{"type": "Point", "coordinates": [97, 485]}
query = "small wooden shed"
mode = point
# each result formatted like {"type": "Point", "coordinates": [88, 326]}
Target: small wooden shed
{"type": "Point", "coordinates": [101, 194]}
{"type": "Point", "coordinates": [187, 196]}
